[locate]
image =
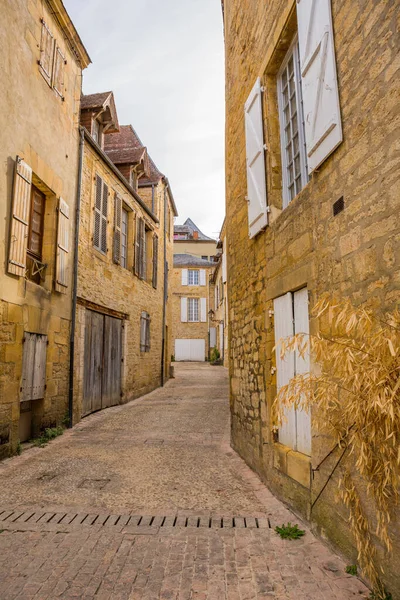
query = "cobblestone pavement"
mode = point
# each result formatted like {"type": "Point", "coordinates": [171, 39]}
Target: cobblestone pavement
{"type": "Point", "coordinates": [148, 501]}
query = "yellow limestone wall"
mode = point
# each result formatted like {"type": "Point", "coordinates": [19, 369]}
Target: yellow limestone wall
{"type": "Point", "coordinates": [41, 128]}
{"type": "Point", "coordinates": [355, 254]}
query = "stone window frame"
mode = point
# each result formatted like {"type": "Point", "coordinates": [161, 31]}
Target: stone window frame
{"type": "Point", "coordinates": [301, 178]}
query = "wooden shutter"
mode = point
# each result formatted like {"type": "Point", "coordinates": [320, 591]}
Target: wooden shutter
{"type": "Point", "coordinates": [323, 127]}
{"type": "Point", "coordinates": [97, 212]}
{"type": "Point", "coordinates": [104, 212]}
{"type": "Point", "coordinates": [58, 73]}
{"type": "Point", "coordinates": [203, 310]}
{"type": "Point", "coordinates": [61, 282]}
{"type": "Point", "coordinates": [255, 161]}
{"type": "Point", "coordinates": [137, 248]}
{"type": "Point", "coordinates": [184, 276]}
{"type": "Point", "coordinates": [283, 328]}
{"type": "Point", "coordinates": [224, 275]}
{"type": "Point", "coordinates": [147, 332]}
{"type": "Point", "coordinates": [117, 228]}
{"type": "Point", "coordinates": [184, 310]}
{"type": "Point", "coordinates": [155, 261]}
{"type": "Point", "coordinates": [20, 218]}
{"type": "Point", "coordinates": [302, 365]}
{"type": "Point", "coordinates": [213, 337]}
{"type": "Point", "coordinates": [202, 277]}
{"type": "Point", "coordinates": [143, 332]}
{"type": "Point", "coordinates": [46, 52]}
{"type": "Point", "coordinates": [143, 249]}
{"type": "Point", "coordinates": [33, 382]}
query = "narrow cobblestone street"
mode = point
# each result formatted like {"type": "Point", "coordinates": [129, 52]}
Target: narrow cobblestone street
{"type": "Point", "coordinates": [147, 501]}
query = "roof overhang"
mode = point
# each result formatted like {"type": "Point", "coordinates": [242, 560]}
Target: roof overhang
{"type": "Point", "coordinates": [71, 35]}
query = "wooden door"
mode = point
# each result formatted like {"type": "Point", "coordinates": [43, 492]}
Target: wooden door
{"type": "Point", "coordinates": [112, 356]}
{"type": "Point", "coordinates": [94, 326]}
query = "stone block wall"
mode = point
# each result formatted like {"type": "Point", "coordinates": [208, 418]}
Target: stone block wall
{"type": "Point", "coordinates": [355, 254]}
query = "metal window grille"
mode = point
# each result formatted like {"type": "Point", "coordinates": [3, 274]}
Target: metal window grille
{"type": "Point", "coordinates": [193, 277]}
{"type": "Point", "coordinates": [294, 156]}
{"type": "Point", "coordinates": [193, 310]}
{"type": "Point", "coordinates": [145, 332]}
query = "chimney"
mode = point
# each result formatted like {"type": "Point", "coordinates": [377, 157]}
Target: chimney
{"type": "Point", "coordinates": [195, 235]}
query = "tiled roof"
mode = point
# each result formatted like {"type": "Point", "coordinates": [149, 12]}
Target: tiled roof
{"type": "Point", "coordinates": [182, 260]}
{"type": "Point", "coordinates": [125, 147]}
{"type": "Point", "coordinates": [154, 175]}
{"type": "Point", "coordinates": [94, 101]}
{"type": "Point", "coordinates": [189, 227]}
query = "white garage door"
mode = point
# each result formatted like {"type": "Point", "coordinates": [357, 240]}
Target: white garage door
{"type": "Point", "coordinates": [190, 350]}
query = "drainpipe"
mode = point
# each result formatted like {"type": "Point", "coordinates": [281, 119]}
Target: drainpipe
{"type": "Point", "coordinates": [165, 291]}
{"type": "Point", "coordinates": [75, 282]}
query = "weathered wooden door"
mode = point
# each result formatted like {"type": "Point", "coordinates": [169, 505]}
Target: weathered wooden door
{"type": "Point", "coordinates": [111, 380]}
{"type": "Point", "coordinates": [102, 362]}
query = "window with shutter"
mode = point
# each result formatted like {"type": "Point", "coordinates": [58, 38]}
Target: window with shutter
{"type": "Point", "coordinates": [203, 310]}
{"type": "Point", "coordinates": [35, 267]}
{"type": "Point", "coordinates": [117, 228]}
{"type": "Point", "coordinates": [184, 276]}
{"type": "Point", "coordinates": [255, 161]}
{"type": "Point", "coordinates": [20, 218]}
{"type": "Point", "coordinates": [323, 127]}
{"type": "Point", "coordinates": [97, 212]}
{"type": "Point", "coordinates": [294, 159]}
{"type": "Point", "coordinates": [137, 247]}
{"type": "Point", "coordinates": [203, 277]}
{"type": "Point", "coordinates": [124, 238]}
{"type": "Point", "coordinates": [145, 332]}
{"type": "Point", "coordinates": [184, 310]}
{"type": "Point", "coordinates": [33, 383]}
{"type": "Point", "coordinates": [143, 250]}
{"type": "Point", "coordinates": [193, 277]}
{"type": "Point", "coordinates": [58, 73]}
{"type": "Point", "coordinates": [155, 261]}
{"type": "Point", "coordinates": [193, 310]}
{"type": "Point", "coordinates": [46, 52]}
{"type": "Point", "coordinates": [291, 317]}
{"type": "Point", "coordinates": [104, 212]}
{"type": "Point", "coordinates": [61, 282]}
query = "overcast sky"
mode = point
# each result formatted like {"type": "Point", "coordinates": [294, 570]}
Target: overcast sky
{"type": "Point", "coordinates": [163, 59]}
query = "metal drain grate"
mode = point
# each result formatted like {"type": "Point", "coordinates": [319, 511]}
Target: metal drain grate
{"type": "Point", "coordinates": [28, 518]}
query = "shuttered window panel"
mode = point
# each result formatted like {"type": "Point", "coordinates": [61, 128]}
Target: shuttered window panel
{"type": "Point", "coordinates": [255, 162]}
{"type": "Point", "coordinates": [184, 276]}
{"type": "Point", "coordinates": [323, 127]}
{"type": "Point", "coordinates": [61, 279]}
{"type": "Point", "coordinates": [145, 332]}
{"type": "Point", "coordinates": [203, 310]}
{"type": "Point", "coordinates": [104, 213]}
{"type": "Point", "coordinates": [155, 261]}
{"type": "Point", "coordinates": [137, 247]}
{"type": "Point", "coordinates": [46, 52]}
{"type": "Point", "coordinates": [20, 218]}
{"type": "Point", "coordinates": [203, 277]}
{"type": "Point", "coordinates": [184, 310]}
{"type": "Point", "coordinates": [97, 212]}
{"type": "Point", "coordinates": [117, 228]}
{"type": "Point", "coordinates": [143, 250]}
{"type": "Point", "coordinates": [33, 382]}
{"type": "Point", "coordinates": [59, 72]}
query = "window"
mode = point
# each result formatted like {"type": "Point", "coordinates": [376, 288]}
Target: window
{"type": "Point", "coordinates": [204, 257]}
{"type": "Point", "coordinates": [294, 155]}
{"type": "Point", "coordinates": [35, 235]}
{"type": "Point", "coordinates": [145, 332]}
{"type": "Point", "coordinates": [193, 310]}
{"type": "Point", "coordinates": [96, 131]}
{"type": "Point", "coordinates": [291, 317]}
{"type": "Point", "coordinates": [155, 261]}
{"type": "Point", "coordinates": [100, 215]}
{"type": "Point", "coordinates": [124, 238]}
{"type": "Point", "coordinates": [193, 277]}
{"type": "Point", "coordinates": [52, 61]}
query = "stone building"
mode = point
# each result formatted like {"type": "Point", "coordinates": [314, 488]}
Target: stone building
{"type": "Point", "coordinates": [219, 314]}
{"type": "Point", "coordinates": [123, 315]}
{"type": "Point", "coordinates": [190, 290]}
{"type": "Point", "coordinates": [41, 73]}
{"type": "Point", "coordinates": [188, 239]}
{"type": "Point", "coordinates": [312, 206]}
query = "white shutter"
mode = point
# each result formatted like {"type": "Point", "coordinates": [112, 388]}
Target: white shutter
{"type": "Point", "coordinates": [20, 218]}
{"type": "Point", "coordinates": [302, 365]}
{"type": "Point", "coordinates": [256, 185]}
{"type": "Point", "coordinates": [184, 315]}
{"type": "Point", "coordinates": [283, 328]}
{"type": "Point", "coordinates": [224, 276]}
{"type": "Point", "coordinates": [203, 310]}
{"type": "Point", "coordinates": [213, 337]}
{"type": "Point", "coordinates": [39, 371]}
{"type": "Point", "coordinates": [61, 282]}
{"type": "Point", "coordinates": [33, 382]}
{"type": "Point", "coordinates": [184, 276]}
{"type": "Point", "coordinates": [323, 127]}
{"type": "Point", "coordinates": [203, 277]}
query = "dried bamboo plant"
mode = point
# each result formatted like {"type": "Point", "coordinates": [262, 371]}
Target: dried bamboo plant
{"type": "Point", "coordinates": [354, 393]}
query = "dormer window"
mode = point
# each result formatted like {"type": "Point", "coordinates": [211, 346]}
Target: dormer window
{"type": "Point", "coordinates": [97, 131]}
{"type": "Point", "coordinates": [133, 179]}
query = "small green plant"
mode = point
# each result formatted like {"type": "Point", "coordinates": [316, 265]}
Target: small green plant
{"type": "Point", "coordinates": [172, 357]}
{"type": "Point", "coordinates": [65, 420]}
{"type": "Point", "coordinates": [49, 434]}
{"type": "Point", "coordinates": [18, 449]}
{"type": "Point", "coordinates": [214, 355]}
{"type": "Point", "coordinates": [290, 532]}
{"type": "Point", "coordinates": [351, 569]}
{"type": "Point", "coordinates": [381, 596]}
